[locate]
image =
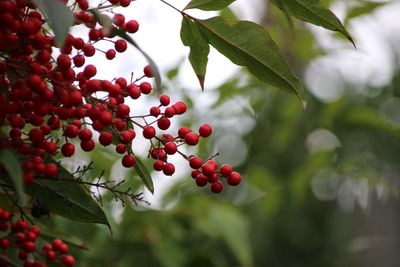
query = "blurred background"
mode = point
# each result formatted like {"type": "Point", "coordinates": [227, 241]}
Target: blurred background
{"type": "Point", "coordinates": [320, 186]}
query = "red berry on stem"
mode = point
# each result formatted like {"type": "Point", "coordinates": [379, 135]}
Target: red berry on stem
{"type": "Point", "coordinates": [85, 134]}
{"type": "Point", "coordinates": [195, 162]}
{"type": "Point", "coordinates": [192, 139]}
{"type": "Point", "coordinates": [216, 187]}
{"type": "Point", "coordinates": [87, 145]}
{"type": "Point", "coordinates": [201, 180]}
{"type": "Point", "coordinates": [234, 178]}
{"type": "Point", "coordinates": [128, 161]}
{"type": "Point", "coordinates": [164, 100]}
{"type": "Point", "coordinates": [132, 26]}
{"type": "Point", "coordinates": [163, 123]}
{"type": "Point", "coordinates": [183, 131]}
{"type": "Point", "coordinates": [120, 46]}
{"type": "Point", "coordinates": [149, 132]}
{"type": "Point", "coordinates": [225, 170]}
{"type": "Point", "coordinates": [68, 260]}
{"type": "Point", "coordinates": [105, 138]}
{"type": "Point", "coordinates": [205, 130]}
{"type": "Point", "coordinates": [148, 72]}
{"type": "Point", "coordinates": [145, 88]}
{"type": "Point", "coordinates": [169, 169]}
{"type": "Point", "coordinates": [67, 149]}
{"type": "Point", "coordinates": [208, 169]}
{"type": "Point", "coordinates": [158, 165]}
{"type": "Point", "coordinates": [120, 148]}
{"type": "Point", "coordinates": [170, 148]}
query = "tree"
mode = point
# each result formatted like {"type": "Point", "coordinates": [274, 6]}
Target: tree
{"type": "Point", "coordinates": [46, 105]}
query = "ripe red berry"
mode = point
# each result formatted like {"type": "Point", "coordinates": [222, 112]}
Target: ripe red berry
{"type": "Point", "coordinates": [71, 131]}
{"type": "Point", "coordinates": [50, 170]}
{"type": "Point", "coordinates": [75, 98]}
{"type": "Point", "coordinates": [169, 169]}
{"type": "Point", "coordinates": [145, 88]}
{"type": "Point", "coordinates": [169, 112]}
{"type": "Point", "coordinates": [105, 138]}
{"type": "Point", "coordinates": [4, 243]}
{"type": "Point", "coordinates": [225, 170]}
{"type": "Point", "coordinates": [85, 134]}
{"type": "Point", "coordinates": [128, 161]}
{"type": "Point", "coordinates": [208, 169]}
{"type": "Point", "coordinates": [164, 100]}
{"type": "Point", "coordinates": [201, 180]}
{"type": "Point", "coordinates": [148, 72]}
{"type": "Point", "coordinates": [180, 107]}
{"type": "Point", "coordinates": [216, 187]}
{"type": "Point", "coordinates": [205, 130]}
{"type": "Point", "coordinates": [126, 137]}
{"type": "Point", "coordinates": [67, 149]}
{"type": "Point", "coordinates": [155, 111]}
{"type": "Point", "coordinates": [192, 139]}
{"type": "Point", "coordinates": [68, 260]}
{"type": "Point", "coordinates": [79, 60]}
{"type": "Point", "coordinates": [110, 54]}
{"type": "Point", "coordinates": [29, 246]}
{"type": "Point", "coordinates": [87, 145]}
{"type": "Point", "coordinates": [90, 71]}
{"type": "Point", "coordinates": [120, 45]}
{"type": "Point", "coordinates": [234, 179]}
{"type": "Point", "coordinates": [51, 255]}
{"type": "Point", "coordinates": [158, 165]}
{"type": "Point", "coordinates": [105, 118]}
{"type": "Point", "coordinates": [170, 148]}
{"type": "Point", "coordinates": [120, 148]}
{"type": "Point", "coordinates": [123, 109]}
{"type": "Point", "coordinates": [195, 162]}
{"type": "Point", "coordinates": [36, 135]}
{"type": "Point", "coordinates": [183, 131]}
{"type": "Point", "coordinates": [149, 132]}
{"type": "Point", "coordinates": [63, 61]}
{"type": "Point", "coordinates": [163, 123]}
{"type": "Point", "coordinates": [132, 26]}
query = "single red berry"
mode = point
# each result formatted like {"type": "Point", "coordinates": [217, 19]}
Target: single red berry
{"type": "Point", "coordinates": [90, 71]}
{"type": "Point", "coordinates": [79, 60]}
{"type": "Point", "coordinates": [195, 162]}
{"type": "Point", "coordinates": [183, 131]}
{"type": "Point", "coordinates": [85, 134]}
{"type": "Point", "coordinates": [170, 148]}
{"type": "Point", "coordinates": [87, 145]}
{"type": "Point", "coordinates": [126, 137]}
{"type": "Point", "coordinates": [148, 72]}
{"type": "Point", "coordinates": [225, 170]}
{"type": "Point", "coordinates": [67, 149]}
{"type": "Point", "coordinates": [158, 165]}
{"type": "Point", "coordinates": [68, 260]}
{"type": "Point", "coordinates": [71, 131]}
{"type": "Point", "coordinates": [51, 255]}
{"type": "Point", "coordinates": [120, 148]}
{"type": "Point", "coordinates": [63, 248]}
{"type": "Point", "coordinates": [155, 111]}
{"type": "Point", "coordinates": [213, 178]}
{"type": "Point", "coordinates": [50, 170]}
{"type": "Point", "coordinates": [194, 173]}
{"type": "Point", "coordinates": [120, 46]}
{"type": "Point", "coordinates": [105, 138]}
{"type": "Point", "coordinates": [36, 135]}
{"type": "Point", "coordinates": [63, 61]}
{"type": "Point", "coordinates": [128, 161]}
{"type": "Point", "coordinates": [169, 169]}
{"type": "Point", "coordinates": [180, 107]}
{"type": "Point", "coordinates": [201, 180]}
{"type": "Point", "coordinates": [134, 91]}
{"type": "Point", "coordinates": [4, 243]}
{"type": "Point", "coordinates": [169, 112]}
{"type": "Point", "coordinates": [149, 132]}
{"type": "Point", "coordinates": [145, 88]}
{"type": "Point", "coordinates": [192, 139]}
{"type": "Point", "coordinates": [75, 98]}
{"type": "Point", "coordinates": [167, 138]}
{"type": "Point", "coordinates": [216, 187]}
{"type": "Point", "coordinates": [118, 19]}
{"type": "Point", "coordinates": [132, 26]}
{"type": "Point", "coordinates": [164, 100]}
{"type": "Point", "coordinates": [110, 54]}
{"type": "Point", "coordinates": [123, 109]}
{"type": "Point", "coordinates": [105, 118]}
{"type": "Point", "coordinates": [208, 169]}
{"type": "Point", "coordinates": [163, 123]}
{"type": "Point", "coordinates": [205, 130]}
{"type": "Point", "coordinates": [29, 246]}
{"type": "Point", "coordinates": [28, 178]}
{"type": "Point", "coordinates": [234, 178]}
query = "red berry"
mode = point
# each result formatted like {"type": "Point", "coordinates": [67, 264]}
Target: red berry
{"type": "Point", "coordinates": [50, 170]}
{"type": "Point", "coordinates": [149, 132]}
{"type": "Point", "coordinates": [68, 260]}
{"type": "Point", "coordinates": [225, 170]}
{"type": "Point", "coordinates": [105, 138]}
{"type": "Point", "coordinates": [216, 187]}
{"type": "Point", "coordinates": [87, 145]}
{"type": "Point", "coordinates": [51, 255]}
{"type": "Point", "coordinates": [155, 111]}
{"type": "Point", "coordinates": [120, 148]}
{"type": "Point", "coordinates": [145, 88]}
{"type": "Point", "coordinates": [148, 72]}
{"type": "Point", "coordinates": [208, 169]}
{"type": "Point", "coordinates": [67, 149]}
{"type": "Point", "coordinates": [195, 162]}
{"type": "Point", "coordinates": [120, 45]}
{"type": "Point", "coordinates": [105, 117]}
{"type": "Point", "coordinates": [90, 71]}
{"type": "Point", "coordinates": [4, 243]}
{"type": "Point", "coordinates": [169, 169]}
{"type": "Point", "coordinates": [85, 134]}
{"type": "Point", "coordinates": [205, 130]}
{"type": "Point", "coordinates": [234, 178]}
{"type": "Point", "coordinates": [132, 26]}
{"type": "Point", "coordinates": [71, 131]}
{"type": "Point", "coordinates": [180, 107]}
{"type": "Point", "coordinates": [163, 123]}
{"type": "Point", "coordinates": [126, 137]}
{"type": "Point", "coordinates": [192, 139]}
{"type": "Point", "coordinates": [169, 112]}
{"type": "Point", "coordinates": [164, 100]}
{"type": "Point", "coordinates": [170, 148]}
{"type": "Point", "coordinates": [123, 109]}
{"type": "Point", "coordinates": [183, 131]}
{"type": "Point", "coordinates": [201, 180]}
{"type": "Point", "coordinates": [158, 165]}
{"type": "Point", "coordinates": [63, 61]}
{"type": "Point", "coordinates": [110, 54]}
{"type": "Point", "coordinates": [29, 246]}
{"type": "Point", "coordinates": [36, 135]}
{"type": "Point", "coordinates": [79, 60]}
{"type": "Point", "coordinates": [128, 161]}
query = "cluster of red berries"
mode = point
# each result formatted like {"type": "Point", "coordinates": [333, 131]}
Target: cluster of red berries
{"type": "Point", "coordinates": [19, 235]}
{"type": "Point", "coordinates": [42, 97]}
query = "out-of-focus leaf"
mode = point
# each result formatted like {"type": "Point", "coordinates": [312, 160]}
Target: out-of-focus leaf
{"type": "Point", "coordinates": [59, 16]}
{"type": "Point", "coordinates": [249, 44]}
{"type": "Point", "coordinates": [11, 163]}
{"type": "Point", "coordinates": [64, 196]}
{"type": "Point", "coordinates": [10, 262]}
{"type": "Point", "coordinates": [49, 234]}
{"type": "Point", "coordinates": [144, 175]}
{"type": "Point", "coordinates": [311, 11]}
{"type": "Point", "coordinates": [227, 13]}
{"type": "Point", "coordinates": [208, 4]}
{"type": "Point", "coordinates": [234, 228]}
{"type": "Point", "coordinates": [365, 7]}
{"type": "Point", "coordinates": [199, 48]}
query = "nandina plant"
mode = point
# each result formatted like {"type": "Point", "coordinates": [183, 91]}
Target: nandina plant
{"type": "Point", "coordinates": [54, 105]}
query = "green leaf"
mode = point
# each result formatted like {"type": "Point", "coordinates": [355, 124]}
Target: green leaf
{"type": "Point", "coordinates": [208, 4]}
{"type": "Point", "coordinates": [249, 44]}
{"type": "Point", "coordinates": [144, 175]}
{"type": "Point", "coordinates": [49, 234]}
{"type": "Point", "coordinates": [59, 16]}
{"type": "Point", "coordinates": [10, 262]}
{"type": "Point", "coordinates": [64, 196]}
{"type": "Point", "coordinates": [311, 11]}
{"type": "Point", "coordinates": [199, 48]}
{"type": "Point", "coordinates": [11, 163]}
{"type": "Point", "coordinates": [365, 8]}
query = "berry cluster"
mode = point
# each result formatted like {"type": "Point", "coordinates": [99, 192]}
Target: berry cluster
{"type": "Point", "coordinates": [21, 236]}
{"type": "Point", "coordinates": [49, 97]}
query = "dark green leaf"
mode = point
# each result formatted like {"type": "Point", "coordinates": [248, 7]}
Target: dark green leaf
{"type": "Point", "coordinates": [50, 233]}
{"type": "Point", "coordinates": [311, 11]}
{"type": "Point", "coordinates": [64, 196]}
{"type": "Point", "coordinates": [199, 48]}
{"type": "Point", "coordinates": [7, 260]}
{"type": "Point", "coordinates": [208, 4]}
{"type": "Point", "coordinates": [249, 44]}
{"type": "Point", "coordinates": [13, 167]}
{"type": "Point", "coordinates": [144, 175]}
{"type": "Point", "coordinates": [59, 16]}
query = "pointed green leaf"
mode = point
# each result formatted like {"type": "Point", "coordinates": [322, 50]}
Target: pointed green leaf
{"type": "Point", "coordinates": [313, 12]}
{"type": "Point", "coordinates": [59, 15]}
{"type": "Point", "coordinates": [11, 163]}
{"type": "Point", "coordinates": [144, 175]}
{"type": "Point", "coordinates": [249, 44]}
{"type": "Point", "coordinates": [364, 8]}
{"type": "Point", "coordinates": [208, 4]}
{"type": "Point", "coordinates": [199, 48]}
{"type": "Point", "coordinates": [64, 196]}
